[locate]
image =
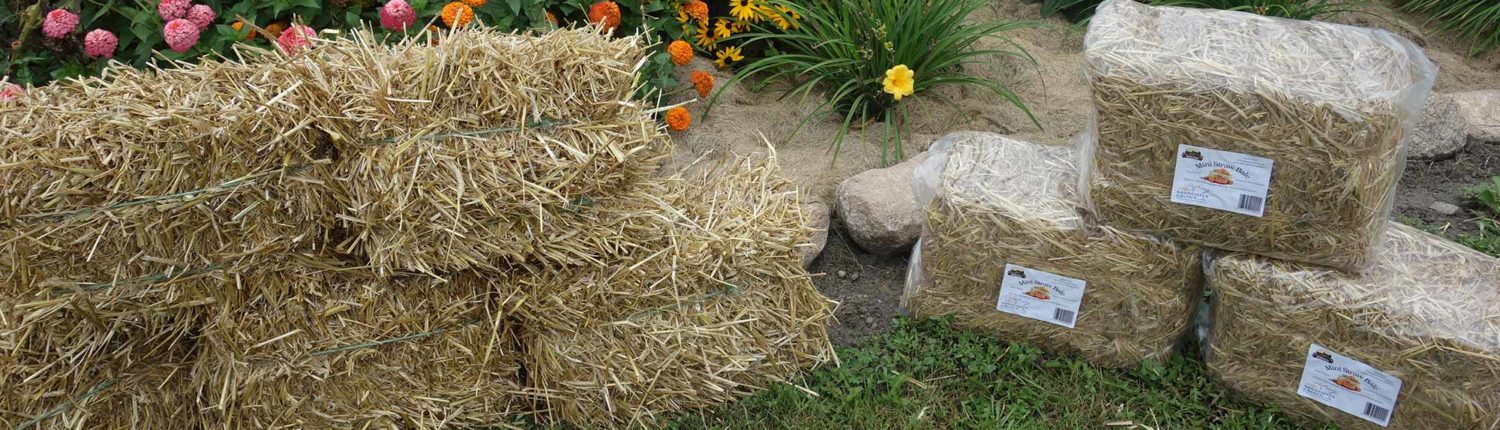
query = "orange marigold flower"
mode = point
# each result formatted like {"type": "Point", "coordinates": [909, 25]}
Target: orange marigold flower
{"type": "Point", "coordinates": [607, 13]}
{"type": "Point", "coordinates": [682, 52]}
{"type": "Point", "coordinates": [457, 14]}
{"type": "Point", "coordinates": [275, 29]}
{"type": "Point", "coordinates": [240, 26]}
{"type": "Point", "coordinates": [678, 119]}
{"type": "Point", "coordinates": [552, 18]}
{"type": "Point", "coordinates": [433, 33]}
{"type": "Point", "coordinates": [697, 9]}
{"type": "Point", "coordinates": [475, 3]}
{"type": "Point", "coordinates": [703, 82]}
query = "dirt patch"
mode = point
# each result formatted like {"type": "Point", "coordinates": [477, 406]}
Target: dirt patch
{"type": "Point", "coordinates": [869, 295]}
{"type": "Point", "coordinates": [1444, 180]}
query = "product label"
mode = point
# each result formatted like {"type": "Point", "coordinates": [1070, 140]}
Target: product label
{"type": "Point", "coordinates": [1222, 180]}
{"type": "Point", "coordinates": [1040, 295]}
{"type": "Point", "coordinates": [1346, 384]}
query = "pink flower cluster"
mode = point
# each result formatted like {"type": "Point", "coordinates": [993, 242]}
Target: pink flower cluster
{"type": "Point", "coordinates": [397, 15]}
{"type": "Point", "coordinates": [9, 91]}
{"type": "Point", "coordinates": [185, 22]}
{"type": "Point", "coordinates": [181, 34]}
{"type": "Point", "coordinates": [59, 23]}
{"type": "Point", "coordinates": [296, 38]}
{"type": "Point", "coordinates": [100, 43]}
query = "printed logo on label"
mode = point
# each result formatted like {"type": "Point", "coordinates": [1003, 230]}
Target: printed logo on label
{"type": "Point", "coordinates": [1040, 295]}
{"type": "Point", "coordinates": [1348, 385]}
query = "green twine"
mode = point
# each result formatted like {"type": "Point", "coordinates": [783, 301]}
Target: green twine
{"type": "Point", "coordinates": [224, 186]}
{"type": "Point", "coordinates": [66, 406]}
{"type": "Point", "coordinates": [148, 279]}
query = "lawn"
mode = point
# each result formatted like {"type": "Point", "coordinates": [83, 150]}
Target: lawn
{"type": "Point", "coordinates": [926, 374]}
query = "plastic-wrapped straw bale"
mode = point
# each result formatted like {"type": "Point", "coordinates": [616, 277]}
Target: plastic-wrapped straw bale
{"type": "Point", "coordinates": [1415, 340]}
{"type": "Point", "coordinates": [1006, 251]}
{"type": "Point", "coordinates": [1238, 131]}
{"type": "Point", "coordinates": [348, 351]}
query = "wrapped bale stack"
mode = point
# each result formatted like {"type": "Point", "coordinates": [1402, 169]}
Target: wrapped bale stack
{"type": "Point", "coordinates": [1237, 131]}
{"type": "Point", "coordinates": [1006, 251]}
{"type": "Point", "coordinates": [385, 236]}
{"type": "Point", "coordinates": [1418, 337]}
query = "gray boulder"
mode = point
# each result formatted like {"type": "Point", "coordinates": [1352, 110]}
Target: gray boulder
{"type": "Point", "coordinates": [816, 215]}
{"type": "Point", "coordinates": [1441, 131]}
{"type": "Point", "coordinates": [1482, 111]}
{"type": "Point", "coordinates": [879, 209]}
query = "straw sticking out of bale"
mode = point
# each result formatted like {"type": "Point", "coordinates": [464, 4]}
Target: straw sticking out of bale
{"type": "Point", "coordinates": [351, 352]}
{"type": "Point", "coordinates": [1328, 104]}
{"type": "Point", "coordinates": [998, 201]}
{"type": "Point", "coordinates": [1428, 313]}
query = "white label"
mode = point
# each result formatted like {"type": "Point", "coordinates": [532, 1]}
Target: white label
{"type": "Point", "coordinates": [1222, 180]}
{"type": "Point", "coordinates": [1040, 295]}
{"type": "Point", "coordinates": [1346, 384]}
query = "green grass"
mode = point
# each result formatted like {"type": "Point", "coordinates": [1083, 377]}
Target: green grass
{"type": "Point", "coordinates": [925, 375]}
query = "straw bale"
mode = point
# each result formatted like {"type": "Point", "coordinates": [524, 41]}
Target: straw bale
{"type": "Point", "coordinates": [1428, 313]}
{"type": "Point", "coordinates": [712, 229]}
{"type": "Point", "coordinates": [701, 351]}
{"type": "Point", "coordinates": [135, 378]}
{"type": "Point", "coordinates": [1329, 105]}
{"type": "Point", "coordinates": [996, 201]}
{"type": "Point", "coordinates": [349, 351]}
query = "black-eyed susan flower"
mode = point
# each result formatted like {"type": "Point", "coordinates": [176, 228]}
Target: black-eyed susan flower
{"type": "Point", "coordinates": [728, 55]}
{"type": "Point", "coordinates": [721, 29]}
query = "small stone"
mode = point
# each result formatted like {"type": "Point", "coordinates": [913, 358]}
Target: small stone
{"type": "Point", "coordinates": [1441, 131]}
{"type": "Point", "coordinates": [880, 210]}
{"type": "Point", "coordinates": [870, 320]}
{"type": "Point", "coordinates": [815, 215]}
{"type": "Point", "coordinates": [1444, 208]}
{"type": "Point", "coordinates": [854, 276]}
{"type": "Point", "coordinates": [843, 274]}
{"type": "Point", "coordinates": [1481, 110]}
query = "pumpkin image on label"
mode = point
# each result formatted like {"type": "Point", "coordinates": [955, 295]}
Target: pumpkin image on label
{"type": "Point", "coordinates": [1040, 293]}
{"type": "Point", "coordinates": [1220, 176]}
{"type": "Point", "coordinates": [1349, 382]}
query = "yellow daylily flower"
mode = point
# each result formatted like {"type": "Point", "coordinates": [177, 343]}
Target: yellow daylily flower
{"type": "Point", "coordinates": [900, 81]}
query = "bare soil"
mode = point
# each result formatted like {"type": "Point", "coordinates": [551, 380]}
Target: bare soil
{"type": "Point", "coordinates": [1445, 180]}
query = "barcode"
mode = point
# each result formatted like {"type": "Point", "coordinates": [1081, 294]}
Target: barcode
{"type": "Point", "coordinates": [1063, 316]}
{"type": "Point", "coordinates": [1250, 203]}
{"type": "Point", "coordinates": [1376, 412]}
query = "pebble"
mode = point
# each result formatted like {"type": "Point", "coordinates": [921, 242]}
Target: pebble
{"type": "Point", "coordinates": [1444, 208]}
{"type": "Point", "coordinates": [842, 274]}
{"type": "Point", "coordinates": [870, 320]}
{"type": "Point", "coordinates": [853, 276]}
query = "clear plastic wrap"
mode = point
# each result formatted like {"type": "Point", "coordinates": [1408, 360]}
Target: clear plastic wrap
{"type": "Point", "coordinates": [1427, 313]}
{"type": "Point", "coordinates": [1238, 131]}
{"type": "Point", "coordinates": [1000, 209]}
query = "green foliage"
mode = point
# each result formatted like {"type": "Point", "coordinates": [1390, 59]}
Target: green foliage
{"type": "Point", "coordinates": [139, 28]}
{"type": "Point", "coordinates": [926, 374]}
{"type": "Point", "coordinates": [1488, 195]}
{"type": "Point", "coordinates": [1477, 21]}
{"type": "Point", "coordinates": [844, 48]}
{"type": "Point", "coordinates": [1080, 10]}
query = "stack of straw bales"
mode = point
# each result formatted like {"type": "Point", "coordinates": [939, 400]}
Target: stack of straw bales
{"type": "Point", "coordinates": [997, 202]}
{"type": "Point", "coordinates": [1327, 104]}
{"type": "Point", "coordinates": [1429, 315]}
{"type": "Point", "coordinates": [1324, 306]}
{"type": "Point", "coordinates": [384, 235]}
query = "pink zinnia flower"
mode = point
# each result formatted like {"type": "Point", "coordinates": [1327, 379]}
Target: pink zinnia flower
{"type": "Point", "coordinates": [100, 43]}
{"type": "Point", "coordinates": [9, 91]}
{"type": "Point", "coordinates": [181, 34]}
{"type": "Point", "coordinates": [295, 38]}
{"type": "Point", "coordinates": [201, 15]}
{"type": "Point", "coordinates": [59, 23]}
{"type": "Point", "coordinates": [397, 15]}
{"type": "Point", "coordinates": [173, 9]}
